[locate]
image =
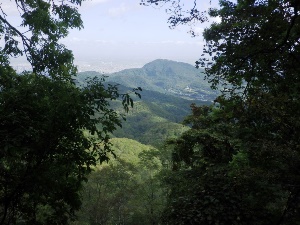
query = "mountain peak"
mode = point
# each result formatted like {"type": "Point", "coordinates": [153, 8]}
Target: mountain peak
{"type": "Point", "coordinates": [169, 77]}
{"type": "Point", "coordinates": [164, 63]}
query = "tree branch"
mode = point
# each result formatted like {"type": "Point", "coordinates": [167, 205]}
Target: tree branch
{"type": "Point", "coordinates": [26, 42]}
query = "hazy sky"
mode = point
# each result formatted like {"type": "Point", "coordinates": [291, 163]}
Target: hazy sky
{"type": "Point", "coordinates": [124, 31]}
{"type": "Point", "coordinates": [118, 30]}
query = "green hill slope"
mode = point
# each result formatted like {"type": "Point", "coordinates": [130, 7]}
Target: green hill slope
{"type": "Point", "coordinates": [156, 116]}
{"type": "Point", "coordinates": [166, 76]}
{"type": "Point", "coordinates": [149, 124]}
{"type": "Point", "coordinates": [128, 149]}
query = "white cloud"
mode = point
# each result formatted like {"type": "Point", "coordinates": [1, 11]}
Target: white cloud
{"type": "Point", "coordinates": [119, 11]}
{"type": "Point", "coordinates": [199, 43]}
{"type": "Point", "coordinates": [217, 19]}
{"type": "Point", "coordinates": [105, 42]}
{"type": "Point", "coordinates": [99, 1]}
{"type": "Point", "coordinates": [178, 42]}
{"type": "Point", "coordinates": [198, 30]}
{"type": "Point", "coordinates": [89, 4]}
{"type": "Point", "coordinates": [76, 39]}
{"type": "Point", "coordinates": [174, 42]}
{"type": "Point", "coordinates": [9, 7]}
{"type": "Point", "coordinates": [93, 2]}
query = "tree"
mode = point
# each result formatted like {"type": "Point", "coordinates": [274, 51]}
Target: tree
{"type": "Point", "coordinates": [179, 13]}
{"type": "Point", "coordinates": [50, 141]}
{"type": "Point", "coordinates": [127, 190]}
{"type": "Point", "coordinates": [202, 191]}
{"type": "Point", "coordinates": [151, 192]}
{"type": "Point", "coordinates": [51, 131]}
{"type": "Point", "coordinates": [252, 56]}
{"type": "Point", "coordinates": [257, 62]}
{"type": "Point", "coordinates": [43, 24]}
{"type": "Point", "coordinates": [109, 193]}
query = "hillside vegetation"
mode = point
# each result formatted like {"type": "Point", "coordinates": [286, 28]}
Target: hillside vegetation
{"type": "Point", "coordinates": [164, 76]}
{"type": "Point", "coordinates": [157, 115]}
{"type": "Point", "coordinates": [151, 123]}
{"type": "Point", "coordinates": [127, 190]}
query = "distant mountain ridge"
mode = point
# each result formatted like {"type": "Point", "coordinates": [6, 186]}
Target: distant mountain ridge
{"type": "Point", "coordinates": [156, 116]}
{"type": "Point", "coordinates": [170, 77]}
{"type": "Point", "coordinates": [165, 76]}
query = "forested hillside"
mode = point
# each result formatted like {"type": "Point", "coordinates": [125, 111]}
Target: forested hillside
{"type": "Point", "coordinates": [167, 77]}
{"type": "Point", "coordinates": [152, 123]}
{"type": "Point", "coordinates": [128, 190]}
{"type": "Point", "coordinates": [156, 116]}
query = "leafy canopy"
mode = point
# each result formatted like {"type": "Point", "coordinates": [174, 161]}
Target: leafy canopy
{"type": "Point", "coordinates": [51, 139]}
{"type": "Point", "coordinates": [43, 24]}
{"type": "Point", "coordinates": [180, 14]}
{"type": "Point", "coordinates": [245, 150]}
{"type": "Point", "coordinates": [52, 133]}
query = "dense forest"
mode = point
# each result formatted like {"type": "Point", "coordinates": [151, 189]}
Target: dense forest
{"type": "Point", "coordinates": [153, 145]}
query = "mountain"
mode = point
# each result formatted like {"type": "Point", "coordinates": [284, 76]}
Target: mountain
{"type": "Point", "coordinates": [165, 99]}
{"type": "Point", "coordinates": [155, 117]}
{"type": "Point", "coordinates": [152, 123]}
{"type": "Point", "coordinates": [166, 76]}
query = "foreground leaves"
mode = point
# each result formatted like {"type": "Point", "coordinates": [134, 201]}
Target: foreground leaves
{"type": "Point", "coordinates": [242, 155]}
{"type": "Point", "coordinates": [51, 134]}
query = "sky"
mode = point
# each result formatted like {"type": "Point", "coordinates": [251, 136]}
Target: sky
{"type": "Point", "coordinates": [123, 31]}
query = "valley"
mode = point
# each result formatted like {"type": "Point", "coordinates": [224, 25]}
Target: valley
{"type": "Point", "coordinates": [120, 189]}
{"type": "Point", "coordinates": [165, 100]}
